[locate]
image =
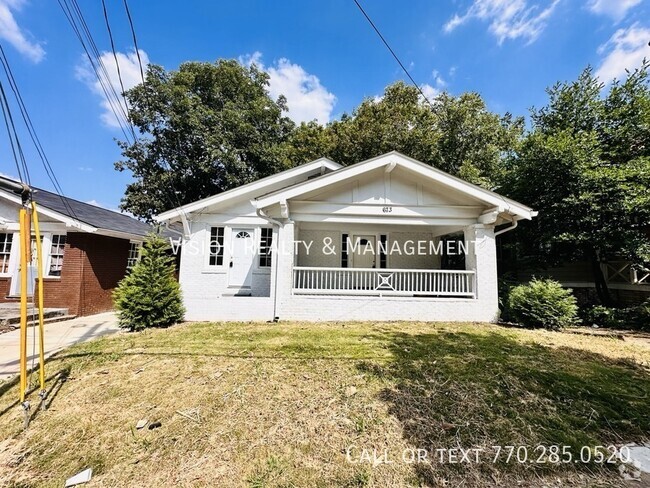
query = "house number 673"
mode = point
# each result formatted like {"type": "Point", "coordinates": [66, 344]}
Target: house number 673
{"type": "Point", "coordinates": [387, 209]}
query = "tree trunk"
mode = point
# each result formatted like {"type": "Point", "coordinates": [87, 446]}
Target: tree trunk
{"type": "Point", "coordinates": [599, 280]}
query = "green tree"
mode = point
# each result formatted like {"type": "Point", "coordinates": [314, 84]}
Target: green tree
{"type": "Point", "coordinates": [206, 128]}
{"type": "Point", "coordinates": [586, 167]}
{"type": "Point", "coordinates": [457, 134]}
{"type": "Point", "coordinates": [149, 295]}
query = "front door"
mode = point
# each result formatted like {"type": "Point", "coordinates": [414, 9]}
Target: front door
{"type": "Point", "coordinates": [242, 255]}
{"type": "Point", "coordinates": [364, 251]}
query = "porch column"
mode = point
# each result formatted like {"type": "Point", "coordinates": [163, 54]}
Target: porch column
{"type": "Point", "coordinates": [285, 260]}
{"type": "Point", "coordinates": [482, 259]}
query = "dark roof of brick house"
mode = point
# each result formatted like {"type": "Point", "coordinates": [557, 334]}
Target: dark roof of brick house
{"type": "Point", "coordinates": [98, 217]}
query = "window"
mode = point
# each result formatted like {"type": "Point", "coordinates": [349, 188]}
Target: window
{"type": "Point", "coordinates": [383, 249]}
{"type": "Point", "coordinates": [134, 254]}
{"type": "Point", "coordinates": [266, 240]}
{"type": "Point", "coordinates": [453, 252]}
{"type": "Point", "coordinates": [5, 251]}
{"type": "Point", "coordinates": [216, 246]}
{"type": "Point", "coordinates": [243, 235]}
{"type": "Point", "coordinates": [344, 250]}
{"type": "Point", "coordinates": [56, 254]}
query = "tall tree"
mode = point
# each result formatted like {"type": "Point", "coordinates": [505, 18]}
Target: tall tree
{"type": "Point", "coordinates": [586, 167]}
{"type": "Point", "coordinates": [206, 128]}
{"type": "Point", "coordinates": [457, 134]}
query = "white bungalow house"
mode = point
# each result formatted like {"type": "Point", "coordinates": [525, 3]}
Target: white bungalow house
{"type": "Point", "coordinates": [389, 238]}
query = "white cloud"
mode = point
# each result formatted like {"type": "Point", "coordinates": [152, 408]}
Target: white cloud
{"type": "Point", "coordinates": [616, 9]}
{"type": "Point", "coordinates": [11, 32]}
{"type": "Point", "coordinates": [130, 71]}
{"type": "Point", "coordinates": [625, 50]}
{"type": "Point", "coordinates": [429, 91]}
{"type": "Point", "coordinates": [508, 19]}
{"type": "Point", "coordinates": [440, 82]}
{"type": "Point", "coordinates": [307, 99]}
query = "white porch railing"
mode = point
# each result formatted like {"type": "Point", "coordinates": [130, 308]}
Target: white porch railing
{"type": "Point", "coordinates": [382, 282]}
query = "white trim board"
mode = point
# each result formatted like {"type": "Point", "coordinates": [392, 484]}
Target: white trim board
{"type": "Point", "coordinates": [390, 160]}
{"type": "Point", "coordinates": [256, 186]}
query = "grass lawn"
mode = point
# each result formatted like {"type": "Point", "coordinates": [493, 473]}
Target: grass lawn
{"type": "Point", "coordinates": [295, 404]}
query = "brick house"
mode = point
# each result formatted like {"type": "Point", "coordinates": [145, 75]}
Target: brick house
{"type": "Point", "coordinates": [86, 251]}
{"type": "Point", "coordinates": [389, 238]}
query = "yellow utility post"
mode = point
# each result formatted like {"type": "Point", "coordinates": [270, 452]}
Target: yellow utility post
{"type": "Point", "coordinates": [39, 265]}
{"type": "Point", "coordinates": [25, 214]}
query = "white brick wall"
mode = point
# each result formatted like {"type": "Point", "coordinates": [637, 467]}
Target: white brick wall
{"type": "Point", "coordinates": [202, 283]}
{"type": "Point", "coordinates": [240, 309]}
{"type": "Point", "coordinates": [386, 308]}
{"type": "Point", "coordinates": [205, 289]}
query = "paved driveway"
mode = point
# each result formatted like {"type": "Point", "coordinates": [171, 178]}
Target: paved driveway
{"type": "Point", "coordinates": [58, 335]}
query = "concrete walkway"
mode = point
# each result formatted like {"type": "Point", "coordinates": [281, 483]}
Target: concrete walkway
{"type": "Point", "coordinates": [58, 335]}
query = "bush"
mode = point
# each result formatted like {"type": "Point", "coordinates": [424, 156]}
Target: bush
{"type": "Point", "coordinates": [506, 283]}
{"type": "Point", "coordinates": [599, 315]}
{"type": "Point", "coordinates": [150, 296]}
{"type": "Point", "coordinates": [636, 318]}
{"type": "Point", "coordinates": [543, 303]}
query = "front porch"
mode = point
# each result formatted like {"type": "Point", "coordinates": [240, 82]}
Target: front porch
{"type": "Point", "coordinates": [339, 281]}
{"type": "Point", "coordinates": [381, 260]}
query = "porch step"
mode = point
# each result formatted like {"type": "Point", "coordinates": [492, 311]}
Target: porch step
{"type": "Point", "coordinates": [32, 323]}
{"type": "Point", "coordinates": [49, 313]}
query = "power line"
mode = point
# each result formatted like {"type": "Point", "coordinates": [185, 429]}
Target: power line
{"type": "Point", "coordinates": [76, 19]}
{"type": "Point", "coordinates": [166, 164]}
{"type": "Point", "coordinates": [119, 99]}
{"type": "Point", "coordinates": [70, 19]}
{"type": "Point", "coordinates": [49, 170]}
{"type": "Point", "coordinates": [80, 28]}
{"type": "Point", "coordinates": [110, 36]}
{"type": "Point", "coordinates": [135, 39]}
{"type": "Point", "coordinates": [393, 53]}
{"type": "Point", "coordinates": [17, 150]}
{"type": "Point", "coordinates": [5, 113]}
{"type": "Point", "coordinates": [98, 56]}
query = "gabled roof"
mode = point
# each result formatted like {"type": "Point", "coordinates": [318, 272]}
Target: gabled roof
{"type": "Point", "coordinates": [255, 187]}
{"type": "Point", "coordinates": [390, 161]}
{"type": "Point", "coordinates": [84, 216]}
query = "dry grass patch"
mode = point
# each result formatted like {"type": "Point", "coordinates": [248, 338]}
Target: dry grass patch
{"type": "Point", "coordinates": [279, 405]}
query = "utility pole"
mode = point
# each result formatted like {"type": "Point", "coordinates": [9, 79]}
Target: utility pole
{"type": "Point", "coordinates": [26, 215]}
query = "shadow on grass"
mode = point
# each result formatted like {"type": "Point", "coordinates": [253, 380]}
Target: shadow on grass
{"type": "Point", "coordinates": [55, 382]}
{"type": "Point", "coordinates": [468, 390]}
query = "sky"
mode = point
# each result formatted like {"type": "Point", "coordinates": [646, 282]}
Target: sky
{"type": "Point", "coordinates": [323, 56]}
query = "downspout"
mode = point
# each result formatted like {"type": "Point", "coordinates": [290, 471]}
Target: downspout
{"type": "Point", "coordinates": [514, 219]}
{"type": "Point", "coordinates": [507, 229]}
{"type": "Point", "coordinates": [260, 213]}
{"type": "Point", "coordinates": [182, 234]}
